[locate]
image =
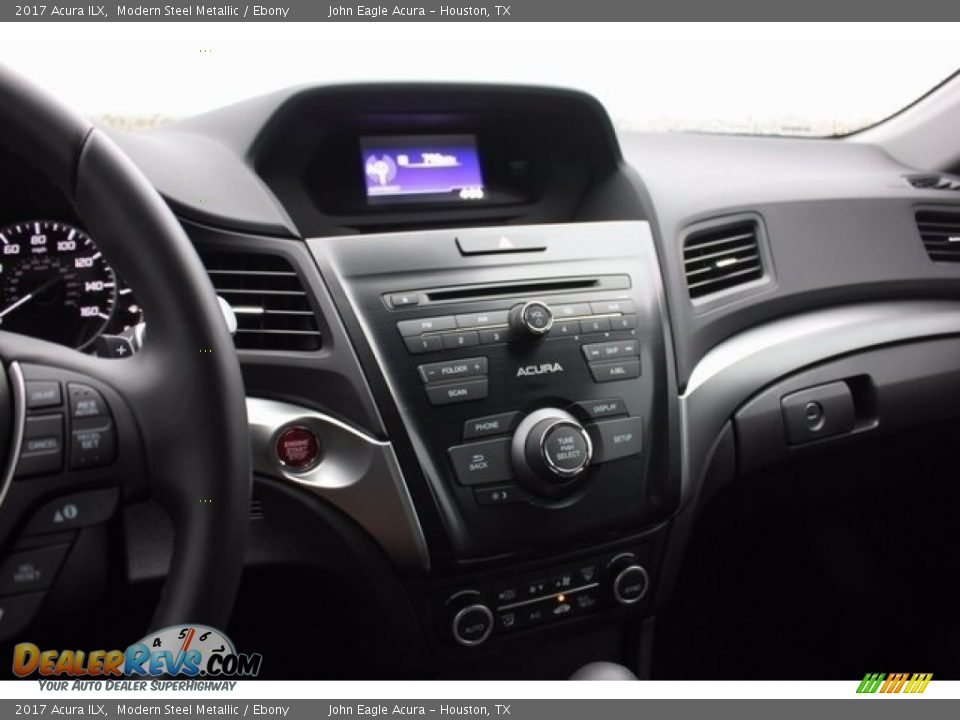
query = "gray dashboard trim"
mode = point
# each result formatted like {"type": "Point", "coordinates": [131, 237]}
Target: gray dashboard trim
{"type": "Point", "coordinates": [357, 473]}
{"type": "Point", "coordinates": [18, 392]}
{"type": "Point", "coordinates": [736, 369]}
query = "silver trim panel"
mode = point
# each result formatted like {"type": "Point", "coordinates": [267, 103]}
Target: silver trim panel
{"type": "Point", "coordinates": [737, 368]}
{"type": "Point", "coordinates": [18, 392]}
{"type": "Point", "coordinates": [357, 473]}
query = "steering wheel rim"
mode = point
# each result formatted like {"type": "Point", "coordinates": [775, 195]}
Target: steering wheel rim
{"type": "Point", "coordinates": [184, 389]}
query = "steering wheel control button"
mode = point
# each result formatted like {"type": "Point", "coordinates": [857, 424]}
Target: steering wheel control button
{"type": "Point", "coordinates": [453, 370]}
{"type": "Point", "coordinates": [42, 450]}
{"type": "Point", "coordinates": [16, 612]}
{"type": "Point", "coordinates": [490, 425]}
{"type": "Point", "coordinates": [531, 320]}
{"type": "Point", "coordinates": [482, 463]}
{"type": "Point", "coordinates": [93, 443]}
{"type": "Point", "coordinates": [819, 412]}
{"type": "Point", "coordinates": [85, 402]}
{"type": "Point", "coordinates": [566, 448]}
{"type": "Point", "coordinates": [31, 570]}
{"type": "Point", "coordinates": [74, 511]}
{"type": "Point", "coordinates": [501, 495]}
{"type": "Point", "coordinates": [426, 325]}
{"type": "Point", "coordinates": [615, 439]}
{"type": "Point", "coordinates": [626, 369]}
{"type": "Point", "coordinates": [298, 448]}
{"type": "Point", "coordinates": [472, 625]}
{"type": "Point", "coordinates": [602, 408]}
{"type": "Point", "coordinates": [463, 391]}
{"type": "Point", "coordinates": [43, 394]}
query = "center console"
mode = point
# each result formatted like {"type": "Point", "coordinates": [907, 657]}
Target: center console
{"type": "Point", "coordinates": [527, 367]}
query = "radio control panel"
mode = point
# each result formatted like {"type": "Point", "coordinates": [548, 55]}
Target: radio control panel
{"type": "Point", "coordinates": [535, 386]}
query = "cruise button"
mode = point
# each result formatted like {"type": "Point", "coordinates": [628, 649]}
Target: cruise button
{"type": "Point", "coordinates": [482, 463]}
{"type": "Point", "coordinates": [619, 370]}
{"type": "Point", "coordinates": [457, 392]}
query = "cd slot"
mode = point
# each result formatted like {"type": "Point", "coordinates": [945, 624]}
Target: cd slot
{"type": "Point", "coordinates": [527, 287]}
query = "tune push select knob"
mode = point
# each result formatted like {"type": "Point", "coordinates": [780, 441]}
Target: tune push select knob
{"type": "Point", "coordinates": [531, 320]}
{"type": "Point", "coordinates": [551, 451]}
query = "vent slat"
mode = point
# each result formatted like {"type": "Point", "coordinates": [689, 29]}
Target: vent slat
{"type": "Point", "coordinates": [940, 233]}
{"type": "Point", "coordinates": [721, 258]}
{"type": "Point", "coordinates": [271, 304]}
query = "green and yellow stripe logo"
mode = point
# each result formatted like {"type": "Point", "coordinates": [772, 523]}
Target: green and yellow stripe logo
{"type": "Point", "coordinates": [894, 682]}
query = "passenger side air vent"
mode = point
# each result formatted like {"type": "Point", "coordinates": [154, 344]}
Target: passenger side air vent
{"type": "Point", "coordinates": [940, 232]}
{"type": "Point", "coordinates": [722, 257]}
{"type": "Point", "coordinates": [272, 308]}
{"type": "Point", "coordinates": [935, 182]}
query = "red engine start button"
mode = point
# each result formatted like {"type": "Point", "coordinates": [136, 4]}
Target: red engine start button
{"type": "Point", "coordinates": [298, 448]}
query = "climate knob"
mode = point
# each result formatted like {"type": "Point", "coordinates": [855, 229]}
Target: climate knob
{"type": "Point", "coordinates": [470, 621]}
{"type": "Point", "coordinates": [551, 451]}
{"type": "Point", "coordinates": [531, 320]}
{"type": "Point", "coordinates": [631, 581]}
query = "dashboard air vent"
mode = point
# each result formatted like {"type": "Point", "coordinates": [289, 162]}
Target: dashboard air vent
{"type": "Point", "coordinates": [935, 182]}
{"type": "Point", "coordinates": [722, 257]}
{"type": "Point", "coordinates": [272, 308]}
{"type": "Point", "coordinates": [940, 232]}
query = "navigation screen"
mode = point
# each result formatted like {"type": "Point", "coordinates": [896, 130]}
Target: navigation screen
{"type": "Point", "coordinates": [420, 167]}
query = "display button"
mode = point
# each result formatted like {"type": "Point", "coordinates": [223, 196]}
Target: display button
{"type": "Point", "coordinates": [501, 495]}
{"type": "Point", "coordinates": [611, 350]}
{"type": "Point", "coordinates": [43, 393]}
{"type": "Point", "coordinates": [85, 402]}
{"type": "Point", "coordinates": [16, 612]}
{"type": "Point", "coordinates": [399, 300]}
{"type": "Point", "coordinates": [470, 320]}
{"type": "Point", "coordinates": [615, 439]}
{"type": "Point", "coordinates": [482, 463]}
{"type": "Point", "coordinates": [491, 337]}
{"type": "Point", "coordinates": [594, 325]}
{"type": "Point", "coordinates": [452, 341]}
{"type": "Point", "coordinates": [42, 450]}
{"type": "Point", "coordinates": [31, 569]}
{"type": "Point", "coordinates": [453, 369]}
{"type": "Point", "coordinates": [609, 307]}
{"type": "Point", "coordinates": [619, 370]}
{"type": "Point", "coordinates": [424, 344]}
{"type": "Point", "coordinates": [603, 408]}
{"type": "Point", "coordinates": [426, 325]}
{"type": "Point", "coordinates": [624, 322]}
{"type": "Point", "coordinates": [74, 511]}
{"type": "Point", "coordinates": [463, 391]}
{"type": "Point", "coordinates": [561, 312]}
{"type": "Point", "coordinates": [490, 425]}
{"type": "Point", "coordinates": [298, 448]}
{"type": "Point", "coordinates": [92, 443]}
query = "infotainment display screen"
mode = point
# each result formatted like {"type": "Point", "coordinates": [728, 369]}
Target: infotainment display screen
{"type": "Point", "coordinates": [425, 168]}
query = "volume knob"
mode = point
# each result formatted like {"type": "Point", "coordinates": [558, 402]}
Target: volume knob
{"type": "Point", "coordinates": [531, 320]}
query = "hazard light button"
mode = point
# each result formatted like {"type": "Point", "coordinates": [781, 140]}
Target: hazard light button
{"type": "Point", "coordinates": [298, 448]}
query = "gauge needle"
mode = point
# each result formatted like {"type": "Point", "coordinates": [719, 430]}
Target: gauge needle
{"type": "Point", "coordinates": [27, 298]}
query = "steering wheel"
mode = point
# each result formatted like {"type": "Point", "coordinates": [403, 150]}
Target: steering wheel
{"type": "Point", "coordinates": [168, 423]}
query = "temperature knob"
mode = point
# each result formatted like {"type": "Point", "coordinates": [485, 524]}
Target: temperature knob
{"type": "Point", "coordinates": [531, 320]}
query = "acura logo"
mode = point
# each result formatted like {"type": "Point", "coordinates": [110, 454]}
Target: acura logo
{"type": "Point", "coordinates": [539, 369]}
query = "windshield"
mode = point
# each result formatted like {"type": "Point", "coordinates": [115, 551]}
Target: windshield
{"type": "Point", "coordinates": [792, 79]}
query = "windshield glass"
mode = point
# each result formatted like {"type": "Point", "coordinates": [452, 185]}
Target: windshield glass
{"type": "Point", "coordinates": [788, 79]}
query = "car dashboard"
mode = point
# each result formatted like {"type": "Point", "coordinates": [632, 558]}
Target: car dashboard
{"type": "Point", "coordinates": [511, 350]}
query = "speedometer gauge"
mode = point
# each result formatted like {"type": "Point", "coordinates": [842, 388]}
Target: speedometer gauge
{"type": "Point", "coordinates": [54, 283]}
